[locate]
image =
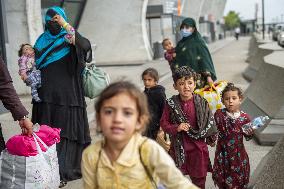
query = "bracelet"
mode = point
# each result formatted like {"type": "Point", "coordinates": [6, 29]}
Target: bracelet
{"type": "Point", "coordinates": [25, 117]}
{"type": "Point", "coordinates": [65, 24]}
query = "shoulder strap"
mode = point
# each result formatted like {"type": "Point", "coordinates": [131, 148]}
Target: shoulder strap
{"type": "Point", "coordinates": [145, 166]}
{"type": "Point", "coordinates": [97, 166]}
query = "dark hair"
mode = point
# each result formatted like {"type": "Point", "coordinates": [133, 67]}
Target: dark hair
{"type": "Point", "coordinates": [188, 22]}
{"type": "Point", "coordinates": [20, 52]}
{"type": "Point", "coordinates": [185, 72]}
{"type": "Point", "coordinates": [166, 39]}
{"type": "Point", "coordinates": [129, 88]}
{"type": "Point", "coordinates": [152, 72]}
{"type": "Point", "coordinates": [232, 87]}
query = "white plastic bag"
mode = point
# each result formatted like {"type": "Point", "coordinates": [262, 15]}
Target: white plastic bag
{"type": "Point", "coordinates": [34, 172]}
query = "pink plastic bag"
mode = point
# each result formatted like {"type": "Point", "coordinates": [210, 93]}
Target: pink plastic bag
{"type": "Point", "coordinates": [23, 145]}
{"type": "Point", "coordinates": [49, 135]}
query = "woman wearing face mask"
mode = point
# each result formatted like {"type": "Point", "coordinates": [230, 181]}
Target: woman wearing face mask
{"type": "Point", "coordinates": [61, 54]}
{"type": "Point", "coordinates": [192, 51]}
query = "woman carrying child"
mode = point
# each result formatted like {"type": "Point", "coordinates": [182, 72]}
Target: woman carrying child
{"type": "Point", "coordinates": [193, 52]}
{"type": "Point", "coordinates": [190, 123]}
{"type": "Point", "coordinates": [123, 158]}
{"type": "Point", "coordinates": [60, 54]}
{"type": "Point", "coordinates": [231, 165]}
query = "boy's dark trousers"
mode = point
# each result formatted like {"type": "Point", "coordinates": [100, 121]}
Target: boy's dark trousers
{"type": "Point", "coordinates": [2, 142]}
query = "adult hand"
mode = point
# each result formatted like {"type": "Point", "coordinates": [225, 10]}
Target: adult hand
{"type": "Point", "coordinates": [27, 126]}
{"type": "Point", "coordinates": [174, 55]}
{"type": "Point", "coordinates": [183, 127]}
{"type": "Point", "coordinates": [59, 19]}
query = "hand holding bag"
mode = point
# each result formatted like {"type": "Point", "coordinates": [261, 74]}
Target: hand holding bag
{"type": "Point", "coordinates": [34, 172]}
{"type": "Point", "coordinates": [94, 81]}
{"type": "Point", "coordinates": [213, 94]}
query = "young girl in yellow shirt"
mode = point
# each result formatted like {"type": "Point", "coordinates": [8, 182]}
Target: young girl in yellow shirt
{"type": "Point", "coordinates": [124, 158]}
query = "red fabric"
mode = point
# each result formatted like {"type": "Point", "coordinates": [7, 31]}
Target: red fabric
{"type": "Point", "coordinates": [196, 151]}
{"type": "Point", "coordinates": [231, 165]}
{"type": "Point", "coordinates": [200, 182]}
{"type": "Point", "coordinates": [8, 94]}
{"type": "Point", "coordinates": [23, 145]}
{"type": "Point", "coordinates": [169, 55]}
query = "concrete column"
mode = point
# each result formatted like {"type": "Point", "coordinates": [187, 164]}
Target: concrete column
{"type": "Point", "coordinates": [265, 97]}
{"type": "Point", "coordinates": [269, 172]}
{"type": "Point", "coordinates": [34, 19]}
{"type": "Point", "coordinates": [24, 25]}
{"type": "Point", "coordinates": [257, 59]}
{"type": "Point", "coordinates": [119, 30]}
{"type": "Point", "coordinates": [18, 33]}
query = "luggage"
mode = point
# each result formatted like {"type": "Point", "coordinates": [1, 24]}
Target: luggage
{"type": "Point", "coordinates": [213, 95]}
{"type": "Point", "coordinates": [94, 81]}
{"type": "Point", "coordinates": [40, 171]}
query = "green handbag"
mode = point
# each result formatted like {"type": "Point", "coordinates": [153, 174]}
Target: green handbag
{"type": "Point", "coordinates": [94, 81]}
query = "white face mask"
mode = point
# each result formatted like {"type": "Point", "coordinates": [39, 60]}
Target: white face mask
{"type": "Point", "coordinates": [185, 32]}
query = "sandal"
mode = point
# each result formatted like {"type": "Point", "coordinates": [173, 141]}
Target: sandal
{"type": "Point", "coordinates": [62, 184]}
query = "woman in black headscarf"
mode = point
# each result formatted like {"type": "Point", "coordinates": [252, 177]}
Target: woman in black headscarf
{"type": "Point", "coordinates": [61, 54]}
{"type": "Point", "coordinates": [192, 51]}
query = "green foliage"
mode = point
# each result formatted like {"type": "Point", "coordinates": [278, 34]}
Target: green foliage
{"type": "Point", "coordinates": [232, 20]}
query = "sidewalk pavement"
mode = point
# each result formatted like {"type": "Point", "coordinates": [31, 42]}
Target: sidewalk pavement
{"type": "Point", "coordinates": [116, 71]}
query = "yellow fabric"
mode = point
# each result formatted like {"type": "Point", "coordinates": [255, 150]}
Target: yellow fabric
{"type": "Point", "coordinates": [213, 94]}
{"type": "Point", "coordinates": [127, 171]}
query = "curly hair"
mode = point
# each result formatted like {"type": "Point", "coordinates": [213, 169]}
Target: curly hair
{"type": "Point", "coordinates": [183, 72]}
{"type": "Point", "coordinates": [232, 87]}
